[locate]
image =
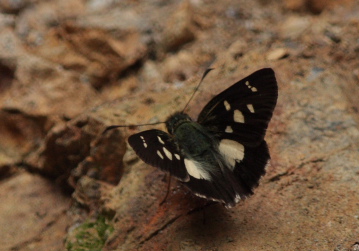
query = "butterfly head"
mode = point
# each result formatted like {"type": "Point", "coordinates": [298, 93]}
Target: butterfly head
{"type": "Point", "coordinates": [176, 120]}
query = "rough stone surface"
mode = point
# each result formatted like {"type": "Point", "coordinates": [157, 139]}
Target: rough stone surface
{"type": "Point", "coordinates": [33, 213]}
{"type": "Point", "coordinates": [69, 69]}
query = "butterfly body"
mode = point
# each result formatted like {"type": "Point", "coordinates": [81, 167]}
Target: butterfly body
{"type": "Point", "coordinates": [222, 155]}
{"type": "Point", "coordinates": [191, 138]}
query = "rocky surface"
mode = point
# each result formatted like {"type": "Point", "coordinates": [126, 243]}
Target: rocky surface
{"type": "Point", "coordinates": [68, 69]}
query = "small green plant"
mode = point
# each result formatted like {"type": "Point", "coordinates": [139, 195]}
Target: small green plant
{"type": "Point", "coordinates": [90, 236]}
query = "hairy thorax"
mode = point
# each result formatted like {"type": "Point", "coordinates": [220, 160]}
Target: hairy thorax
{"type": "Point", "coordinates": [193, 139]}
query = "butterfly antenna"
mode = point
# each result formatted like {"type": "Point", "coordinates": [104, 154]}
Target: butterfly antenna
{"type": "Point", "coordinates": [118, 126]}
{"type": "Point", "coordinates": [196, 89]}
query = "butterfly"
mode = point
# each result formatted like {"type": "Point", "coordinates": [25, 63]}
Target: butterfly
{"type": "Point", "coordinates": [222, 155]}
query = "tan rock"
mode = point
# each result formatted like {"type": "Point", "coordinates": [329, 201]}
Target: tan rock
{"type": "Point", "coordinates": [33, 213]}
{"type": "Point", "coordinates": [277, 53]}
{"type": "Point", "coordinates": [179, 28]}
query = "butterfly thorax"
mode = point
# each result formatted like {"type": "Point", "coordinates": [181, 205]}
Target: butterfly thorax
{"type": "Point", "coordinates": [189, 136]}
{"type": "Point", "coordinates": [175, 120]}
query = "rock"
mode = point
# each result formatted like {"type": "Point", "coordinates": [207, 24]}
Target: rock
{"type": "Point", "coordinates": [10, 49]}
{"type": "Point", "coordinates": [313, 6]}
{"type": "Point", "coordinates": [20, 134]}
{"type": "Point", "coordinates": [34, 23]}
{"type": "Point", "coordinates": [76, 52]}
{"type": "Point", "coordinates": [116, 20]}
{"type": "Point", "coordinates": [43, 88]}
{"type": "Point", "coordinates": [178, 67]}
{"type": "Point", "coordinates": [6, 20]}
{"type": "Point", "coordinates": [295, 5]}
{"type": "Point", "coordinates": [33, 214]}
{"type": "Point", "coordinates": [13, 6]}
{"type": "Point", "coordinates": [294, 26]}
{"type": "Point", "coordinates": [60, 88]}
{"type": "Point", "coordinates": [355, 247]}
{"type": "Point", "coordinates": [179, 28]}
{"type": "Point", "coordinates": [276, 54]}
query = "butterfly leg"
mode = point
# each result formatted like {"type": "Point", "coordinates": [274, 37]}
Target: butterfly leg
{"type": "Point", "coordinates": [168, 189]}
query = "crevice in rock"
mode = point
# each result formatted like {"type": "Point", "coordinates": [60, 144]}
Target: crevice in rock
{"type": "Point", "coordinates": [169, 223]}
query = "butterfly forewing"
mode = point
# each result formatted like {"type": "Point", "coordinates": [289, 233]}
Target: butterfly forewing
{"type": "Point", "coordinates": [242, 112]}
{"type": "Point", "coordinates": [223, 156]}
{"type": "Point", "coordinates": [158, 149]}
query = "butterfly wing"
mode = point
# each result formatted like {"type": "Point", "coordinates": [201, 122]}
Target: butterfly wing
{"type": "Point", "coordinates": [158, 149]}
{"type": "Point", "coordinates": [233, 183]}
{"type": "Point", "coordinates": [242, 112]}
{"type": "Point", "coordinates": [236, 121]}
{"type": "Point", "coordinates": [238, 118]}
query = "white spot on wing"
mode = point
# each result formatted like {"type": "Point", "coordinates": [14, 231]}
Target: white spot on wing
{"type": "Point", "coordinates": [227, 105]}
{"type": "Point", "coordinates": [168, 153]}
{"type": "Point", "coordinates": [177, 156]}
{"type": "Point", "coordinates": [250, 108]}
{"type": "Point", "coordinates": [142, 137]}
{"type": "Point", "coordinates": [160, 140]}
{"type": "Point", "coordinates": [144, 144]}
{"type": "Point", "coordinates": [232, 151]}
{"type": "Point", "coordinates": [195, 170]}
{"type": "Point", "coordinates": [238, 116]}
{"type": "Point", "coordinates": [159, 154]}
{"type": "Point", "coordinates": [237, 198]}
{"type": "Point", "coordinates": [252, 88]}
{"type": "Point", "coordinates": [228, 129]}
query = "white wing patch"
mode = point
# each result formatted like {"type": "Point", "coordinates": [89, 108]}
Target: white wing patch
{"type": "Point", "coordinates": [238, 116]}
{"type": "Point", "coordinates": [228, 129]}
{"type": "Point", "coordinates": [232, 151]}
{"type": "Point", "coordinates": [237, 198]}
{"type": "Point", "coordinates": [227, 105]}
{"type": "Point", "coordinates": [195, 170]}
{"type": "Point", "coordinates": [168, 153]}
{"type": "Point", "coordinates": [143, 141]}
{"type": "Point", "coordinates": [250, 108]}
{"type": "Point", "coordinates": [177, 156]}
{"type": "Point", "coordinates": [160, 140]}
{"type": "Point", "coordinates": [253, 89]}
{"type": "Point", "coordinates": [160, 154]}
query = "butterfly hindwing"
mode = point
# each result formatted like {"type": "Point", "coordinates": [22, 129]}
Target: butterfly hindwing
{"type": "Point", "coordinates": [223, 155]}
{"type": "Point", "coordinates": [235, 173]}
{"type": "Point", "coordinates": [238, 118]}
{"type": "Point", "coordinates": [158, 149]}
{"type": "Point", "coordinates": [242, 112]}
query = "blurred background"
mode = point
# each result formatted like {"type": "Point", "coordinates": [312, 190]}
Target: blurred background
{"type": "Point", "coordinates": [69, 68]}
